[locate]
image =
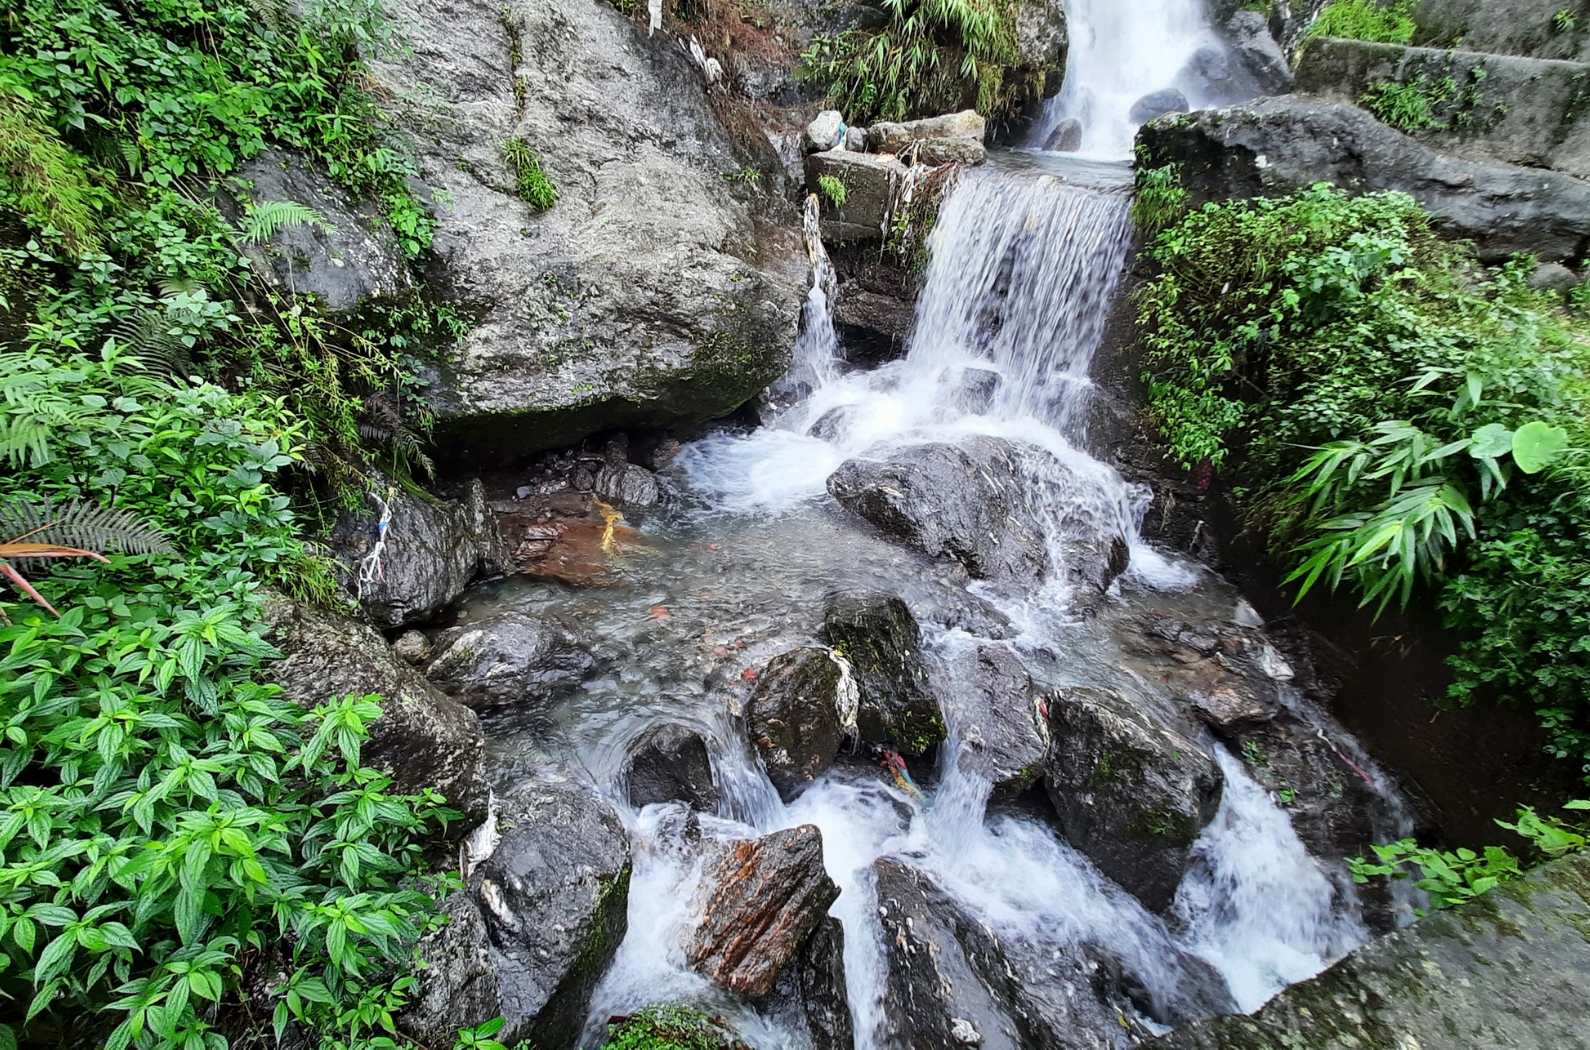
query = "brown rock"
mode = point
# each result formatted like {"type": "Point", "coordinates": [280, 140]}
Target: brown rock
{"type": "Point", "coordinates": [766, 899]}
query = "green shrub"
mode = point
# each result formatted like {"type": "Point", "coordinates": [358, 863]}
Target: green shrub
{"type": "Point", "coordinates": [913, 58]}
{"type": "Point", "coordinates": [669, 1026]}
{"type": "Point", "coordinates": [1379, 21]}
{"type": "Point", "coordinates": [832, 189]}
{"type": "Point", "coordinates": [171, 831]}
{"type": "Point", "coordinates": [530, 181]}
{"type": "Point", "coordinates": [1404, 416]}
{"type": "Point", "coordinates": [1161, 198]}
{"type": "Point", "coordinates": [1452, 877]}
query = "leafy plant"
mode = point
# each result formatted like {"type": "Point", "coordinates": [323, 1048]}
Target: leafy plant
{"type": "Point", "coordinates": [74, 530]}
{"type": "Point", "coordinates": [264, 218]}
{"type": "Point", "coordinates": [832, 189]}
{"type": "Point", "coordinates": [1410, 106]}
{"type": "Point", "coordinates": [1373, 20]}
{"type": "Point", "coordinates": [1456, 876]}
{"type": "Point", "coordinates": [1404, 417]}
{"type": "Point", "coordinates": [530, 181]}
{"type": "Point", "coordinates": [909, 58]}
{"type": "Point", "coordinates": [670, 1026]}
{"type": "Point", "coordinates": [1161, 198]}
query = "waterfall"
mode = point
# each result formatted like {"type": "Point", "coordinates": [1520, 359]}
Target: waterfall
{"type": "Point", "coordinates": [1120, 50]}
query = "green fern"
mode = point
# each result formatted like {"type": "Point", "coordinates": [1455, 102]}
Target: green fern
{"type": "Point", "coordinates": [265, 218]}
{"type": "Point", "coordinates": [149, 337]}
{"type": "Point", "coordinates": [79, 523]}
{"type": "Point", "coordinates": [44, 178]}
{"type": "Point", "coordinates": [532, 183]}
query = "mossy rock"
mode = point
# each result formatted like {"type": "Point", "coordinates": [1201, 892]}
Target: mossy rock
{"type": "Point", "coordinates": [671, 1026]}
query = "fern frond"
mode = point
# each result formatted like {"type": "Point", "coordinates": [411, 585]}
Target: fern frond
{"type": "Point", "coordinates": [267, 217]}
{"type": "Point", "coordinates": [384, 424]}
{"type": "Point", "coordinates": [147, 336]}
{"type": "Point", "coordinates": [79, 523]}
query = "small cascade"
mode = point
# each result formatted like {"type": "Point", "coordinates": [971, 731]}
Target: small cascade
{"type": "Point", "coordinates": [815, 359]}
{"type": "Point", "coordinates": [1120, 51]}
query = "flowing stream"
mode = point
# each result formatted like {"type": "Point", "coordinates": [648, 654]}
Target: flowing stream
{"type": "Point", "coordinates": [1025, 262]}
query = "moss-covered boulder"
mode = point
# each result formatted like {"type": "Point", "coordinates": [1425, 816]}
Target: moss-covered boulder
{"type": "Point", "coordinates": [671, 1026]}
{"type": "Point", "coordinates": [1130, 792]}
{"type": "Point", "coordinates": [793, 718]}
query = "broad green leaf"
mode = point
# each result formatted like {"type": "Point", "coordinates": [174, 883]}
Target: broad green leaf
{"type": "Point", "coordinates": [1537, 445]}
{"type": "Point", "coordinates": [1491, 441]}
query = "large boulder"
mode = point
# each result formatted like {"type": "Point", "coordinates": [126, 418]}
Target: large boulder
{"type": "Point", "coordinates": [1129, 791]}
{"type": "Point", "coordinates": [963, 501]}
{"type": "Point", "coordinates": [869, 183]}
{"type": "Point", "coordinates": [880, 639]}
{"type": "Point", "coordinates": [1278, 145]}
{"type": "Point", "coordinates": [764, 899]}
{"type": "Point", "coordinates": [1510, 968]}
{"type": "Point", "coordinates": [1502, 107]}
{"type": "Point", "coordinates": [1157, 104]}
{"type": "Point", "coordinates": [508, 658]}
{"type": "Point", "coordinates": [953, 137]}
{"type": "Point", "coordinates": [632, 300]}
{"type": "Point", "coordinates": [343, 258]}
{"type": "Point", "coordinates": [1005, 731]}
{"type": "Point", "coordinates": [793, 718]}
{"type": "Point", "coordinates": [424, 738]}
{"type": "Point", "coordinates": [953, 980]}
{"type": "Point", "coordinates": [669, 763]}
{"type": "Point", "coordinates": [537, 927]}
{"type": "Point", "coordinates": [433, 550]}
{"type": "Point", "coordinates": [1520, 27]}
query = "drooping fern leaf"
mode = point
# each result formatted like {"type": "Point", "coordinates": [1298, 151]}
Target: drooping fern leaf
{"type": "Point", "coordinates": [266, 217]}
{"type": "Point", "coordinates": [80, 524]}
{"type": "Point", "coordinates": [148, 336]}
{"type": "Point", "coordinates": [384, 424]}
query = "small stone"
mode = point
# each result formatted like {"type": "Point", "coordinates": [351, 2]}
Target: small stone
{"type": "Point", "coordinates": [1066, 136]}
{"type": "Point", "coordinates": [412, 647]}
{"type": "Point", "coordinates": [856, 140]}
{"type": "Point", "coordinates": [963, 1032]}
{"type": "Point", "coordinates": [824, 133]}
{"type": "Point", "coordinates": [1157, 104]}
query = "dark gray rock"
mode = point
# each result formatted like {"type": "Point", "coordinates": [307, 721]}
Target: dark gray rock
{"type": "Point", "coordinates": [412, 647]}
{"type": "Point", "coordinates": [962, 501]}
{"type": "Point", "coordinates": [1500, 107]}
{"type": "Point", "coordinates": [793, 719]}
{"type": "Point", "coordinates": [632, 301]}
{"type": "Point", "coordinates": [1066, 137]}
{"type": "Point", "coordinates": [670, 763]}
{"type": "Point", "coordinates": [830, 426]}
{"type": "Point", "coordinates": [434, 549]}
{"type": "Point", "coordinates": [1227, 676]}
{"type": "Point", "coordinates": [975, 390]}
{"type": "Point", "coordinates": [1130, 792]}
{"type": "Point", "coordinates": [537, 927]}
{"type": "Point", "coordinates": [764, 899]}
{"type": "Point", "coordinates": [953, 981]}
{"type": "Point", "coordinates": [818, 972]}
{"type": "Point", "coordinates": [1257, 54]}
{"type": "Point", "coordinates": [1278, 145]}
{"type": "Point", "coordinates": [349, 256]}
{"type": "Point", "coordinates": [869, 181]}
{"type": "Point", "coordinates": [509, 659]}
{"type": "Point", "coordinates": [1521, 27]}
{"type": "Point", "coordinates": [1511, 968]}
{"type": "Point", "coordinates": [423, 738]}
{"type": "Point", "coordinates": [978, 502]}
{"type": "Point", "coordinates": [878, 635]}
{"type": "Point", "coordinates": [1006, 732]}
{"type": "Point", "coordinates": [1157, 104]}
{"type": "Point", "coordinates": [626, 485]}
{"type": "Point", "coordinates": [1554, 277]}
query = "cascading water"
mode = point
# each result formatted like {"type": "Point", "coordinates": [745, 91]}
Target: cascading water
{"type": "Point", "coordinates": [1120, 51]}
{"type": "Point", "coordinates": [1022, 273]}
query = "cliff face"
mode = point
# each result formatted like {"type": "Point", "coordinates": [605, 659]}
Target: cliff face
{"type": "Point", "coordinates": [640, 297]}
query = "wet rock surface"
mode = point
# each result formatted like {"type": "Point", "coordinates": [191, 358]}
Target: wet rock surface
{"type": "Point", "coordinates": [1006, 733]}
{"type": "Point", "coordinates": [951, 982]}
{"type": "Point", "coordinates": [954, 137]}
{"type": "Point", "coordinates": [630, 301]}
{"type": "Point", "coordinates": [1227, 676]}
{"type": "Point", "coordinates": [538, 925]}
{"type": "Point", "coordinates": [346, 256]}
{"type": "Point", "coordinates": [670, 763]}
{"type": "Point", "coordinates": [961, 501]}
{"type": "Point", "coordinates": [1511, 968]}
{"type": "Point", "coordinates": [813, 985]}
{"type": "Point", "coordinates": [434, 550]}
{"type": "Point", "coordinates": [793, 720]}
{"type": "Point", "coordinates": [509, 659]}
{"type": "Point", "coordinates": [1130, 792]}
{"type": "Point", "coordinates": [765, 898]}
{"type": "Point", "coordinates": [424, 738]}
{"type": "Point", "coordinates": [880, 639]}
{"type": "Point", "coordinates": [1157, 104]}
{"type": "Point", "coordinates": [1277, 145]}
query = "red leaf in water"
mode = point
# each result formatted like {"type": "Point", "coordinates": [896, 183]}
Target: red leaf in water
{"type": "Point", "coordinates": [748, 675]}
{"type": "Point", "coordinates": [721, 651]}
{"type": "Point", "coordinates": [658, 612]}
